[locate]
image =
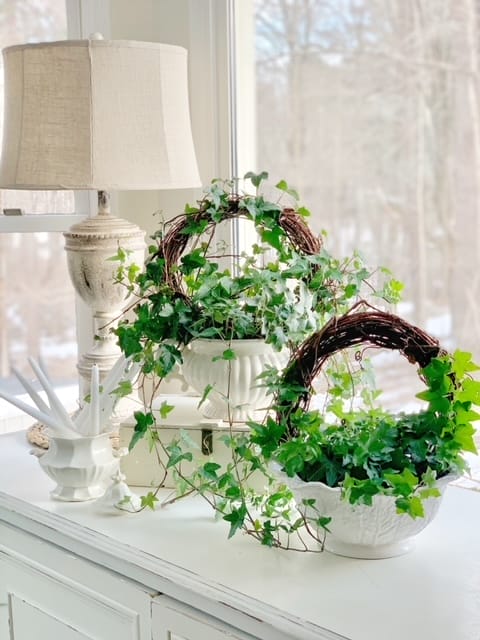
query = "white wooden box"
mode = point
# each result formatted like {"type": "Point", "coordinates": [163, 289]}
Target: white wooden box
{"type": "Point", "coordinates": [141, 466]}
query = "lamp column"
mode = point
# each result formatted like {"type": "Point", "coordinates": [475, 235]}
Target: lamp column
{"type": "Point", "coordinates": [90, 245]}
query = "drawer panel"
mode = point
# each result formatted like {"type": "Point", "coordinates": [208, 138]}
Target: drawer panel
{"type": "Point", "coordinates": [40, 600]}
{"type": "Point", "coordinates": [172, 620]}
{"type": "Point", "coordinates": [27, 622]}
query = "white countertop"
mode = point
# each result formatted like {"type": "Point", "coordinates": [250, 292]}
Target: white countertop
{"type": "Point", "coordinates": [433, 593]}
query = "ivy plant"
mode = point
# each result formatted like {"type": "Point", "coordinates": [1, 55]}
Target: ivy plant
{"type": "Point", "coordinates": [370, 451]}
{"type": "Point", "coordinates": [366, 452]}
{"type": "Point", "coordinates": [272, 291]}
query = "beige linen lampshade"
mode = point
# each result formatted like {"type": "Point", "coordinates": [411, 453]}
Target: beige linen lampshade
{"type": "Point", "coordinates": [97, 114]}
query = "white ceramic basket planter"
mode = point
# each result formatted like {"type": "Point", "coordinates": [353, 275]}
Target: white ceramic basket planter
{"type": "Point", "coordinates": [361, 531]}
{"type": "Point", "coordinates": [81, 467]}
{"type": "Point", "coordinates": [235, 379]}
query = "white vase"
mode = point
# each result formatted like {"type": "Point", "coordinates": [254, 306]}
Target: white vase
{"type": "Point", "coordinates": [81, 467]}
{"type": "Point", "coordinates": [362, 531]}
{"type": "Point", "coordinates": [237, 394]}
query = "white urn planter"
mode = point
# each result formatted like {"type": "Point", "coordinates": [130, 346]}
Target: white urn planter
{"type": "Point", "coordinates": [362, 531]}
{"type": "Point", "coordinates": [81, 467]}
{"type": "Point", "coordinates": [236, 393]}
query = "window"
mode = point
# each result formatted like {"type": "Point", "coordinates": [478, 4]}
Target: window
{"type": "Point", "coordinates": [371, 110]}
{"type": "Point", "coordinates": [37, 300]}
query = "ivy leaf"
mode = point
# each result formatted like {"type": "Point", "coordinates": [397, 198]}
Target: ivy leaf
{"type": "Point", "coordinates": [392, 291]}
{"type": "Point", "coordinates": [165, 311]}
{"type": "Point", "coordinates": [209, 332]}
{"type": "Point", "coordinates": [228, 354]}
{"type": "Point", "coordinates": [128, 340]}
{"type": "Point", "coordinates": [193, 260]}
{"type": "Point", "coordinates": [304, 212]}
{"type": "Point", "coordinates": [351, 290]}
{"type": "Point", "coordinates": [120, 256]}
{"type": "Point", "coordinates": [123, 389]}
{"type": "Point", "coordinates": [187, 440]}
{"type": "Point", "coordinates": [195, 226]}
{"type": "Point", "coordinates": [465, 416]}
{"type": "Point", "coordinates": [274, 237]}
{"type": "Point", "coordinates": [209, 470]}
{"type": "Point", "coordinates": [322, 523]}
{"type": "Point", "coordinates": [283, 186]}
{"type": "Point", "coordinates": [236, 519]}
{"type": "Point", "coordinates": [470, 391]}
{"type": "Point", "coordinates": [413, 506]}
{"type": "Point", "coordinates": [177, 455]}
{"type": "Point", "coordinates": [403, 483]}
{"type": "Point", "coordinates": [462, 363]}
{"type": "Point", "coordinates": [267, 535]}
{"type": "Point", "coordinates": [437, 401]}
{"type": "Point", "coordinates": [143, 422]}
{"type": "Point", "coordinates": [149, 500]}
{"type": "Point", "coordinates": [206, 392]}
{"type": "Point", "coordinates": [132, 272]}
{"type": "Point", "coordinates": [165, 409]}
{"type": "Point", "coordinates": [152, 439]}
{"type": "Point", "coordinates": [429, 478]}
{"type": "Point", "coordinates": [256, 179]}
{"type": "Point", "coordinates": [167, 357]}
{"type": "Point", "coordinates": [429, 493]}
{"type": "Point", "coordinates": [464, 436]}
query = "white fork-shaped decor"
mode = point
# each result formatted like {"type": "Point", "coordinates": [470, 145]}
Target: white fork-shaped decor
{"type": "Point", "coordinates": [93, 417]}
{"type": "Point", "coordinates": [80, 457]}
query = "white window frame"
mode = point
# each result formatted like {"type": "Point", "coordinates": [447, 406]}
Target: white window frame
{"type": "Point", "coordinates": [225, 133]}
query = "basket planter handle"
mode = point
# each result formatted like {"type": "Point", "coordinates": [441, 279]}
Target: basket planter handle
{"type": "Point", "coordinates": [176, 239]}
{"type": "Point", "coordinates": [370, 328]}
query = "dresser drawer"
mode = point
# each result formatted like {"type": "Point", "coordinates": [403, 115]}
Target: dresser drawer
{"type": "Point", "coordinates": [172, 620]}
{"type": "Point", "coordinates": [54, 594]}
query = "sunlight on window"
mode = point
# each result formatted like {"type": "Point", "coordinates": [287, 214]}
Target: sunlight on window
{"type": "Point", "coordinates": [37, 302]}
{"type": "Point", "coordinates": [371, 110]}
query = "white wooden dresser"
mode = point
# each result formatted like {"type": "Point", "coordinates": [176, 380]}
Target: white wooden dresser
{"type": "Point", "coordinates": [82, 572]}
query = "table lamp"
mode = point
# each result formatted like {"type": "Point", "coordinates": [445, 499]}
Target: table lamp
{"type": "Point", "coordinates": [103, 115]}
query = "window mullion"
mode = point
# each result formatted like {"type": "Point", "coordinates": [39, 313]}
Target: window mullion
{"type": "Point", "coordinates": [31, 223]}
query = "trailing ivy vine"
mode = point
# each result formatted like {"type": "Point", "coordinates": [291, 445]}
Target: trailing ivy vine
{"type": "Point", "coordinates": [274, 291]}
{"type": "Point", "coordinates": [282, 293]}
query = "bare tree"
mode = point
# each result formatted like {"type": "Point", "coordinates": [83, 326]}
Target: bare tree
{"type": "Point", "coordinates": [371, 108]}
